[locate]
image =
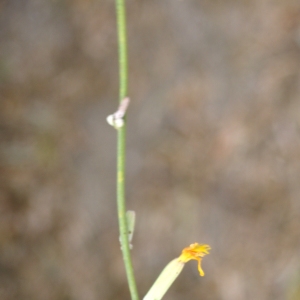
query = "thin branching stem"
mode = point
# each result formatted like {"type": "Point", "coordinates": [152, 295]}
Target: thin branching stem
{"type": "Point", "coordinates": [121, 153]}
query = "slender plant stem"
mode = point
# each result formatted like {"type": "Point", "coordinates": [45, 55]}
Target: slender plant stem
{"type": "Point", "coordinates": [121, 155]}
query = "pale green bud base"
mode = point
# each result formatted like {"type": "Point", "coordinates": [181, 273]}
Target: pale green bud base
{"type": "Point", "coordinates": [165, 280]}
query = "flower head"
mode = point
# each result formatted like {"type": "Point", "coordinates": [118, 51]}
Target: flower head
{"type": "Point", "coordinates": [173, 269]}
{"type": "Point", "coordinates": [195, 251]}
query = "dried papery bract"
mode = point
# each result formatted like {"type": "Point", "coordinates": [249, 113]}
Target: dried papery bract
{"type": "Point", "coordinates": [117, 119]}
{"type": "Point", "coordinates": [130, 217]}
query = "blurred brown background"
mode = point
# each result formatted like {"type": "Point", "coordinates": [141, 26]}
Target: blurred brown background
{"type": "Point", "coordinates": [213, 147]}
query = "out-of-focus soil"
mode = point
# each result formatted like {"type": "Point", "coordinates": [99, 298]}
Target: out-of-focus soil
{"type": "Point", "coordinates": [213, 150]}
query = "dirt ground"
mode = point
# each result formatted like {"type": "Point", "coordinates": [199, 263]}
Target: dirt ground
{"type": "Point", "coordinates": [213, 148]}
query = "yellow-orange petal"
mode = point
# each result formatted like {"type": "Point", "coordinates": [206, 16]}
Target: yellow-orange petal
{"type": "Point", "coordinates": [194, 251]}
{"type": "Point", "coordinates": [201, 272]}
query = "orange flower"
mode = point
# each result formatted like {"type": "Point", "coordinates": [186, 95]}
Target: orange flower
{"type": "Point", "coordinates": [195, 251]}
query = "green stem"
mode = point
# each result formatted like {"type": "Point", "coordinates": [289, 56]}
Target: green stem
{"type": "Point", "coordinates": [122, 44]}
